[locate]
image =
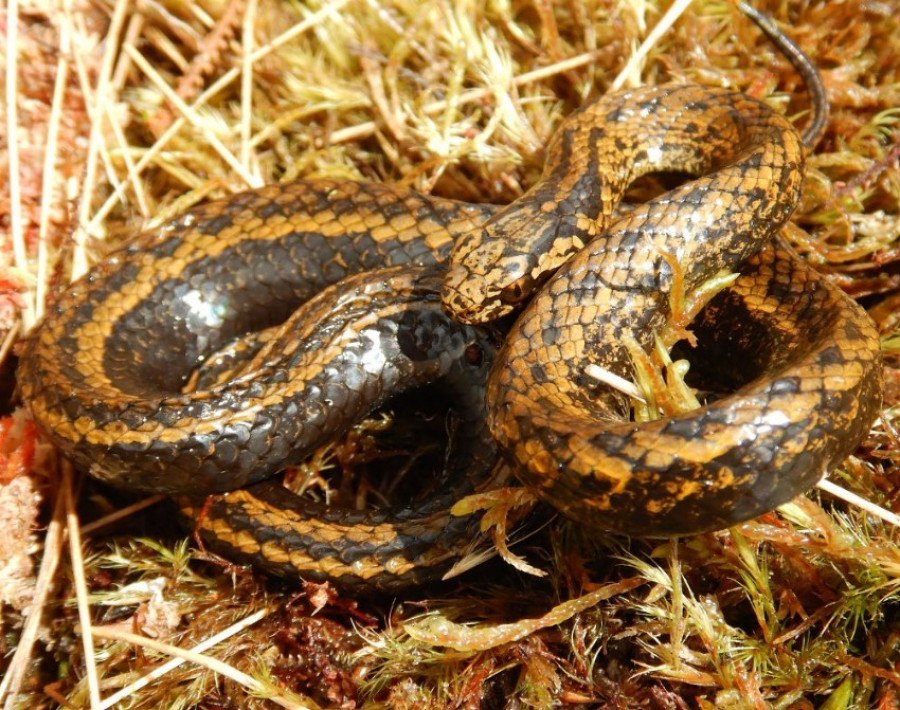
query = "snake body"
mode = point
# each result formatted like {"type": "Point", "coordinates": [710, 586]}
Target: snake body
{"type": "Point", "coordinates": [814, 387]}
{"type": "Point", "coordinates": [213, 274]}
{"type": "Point", "coordinates": [813, 364]}
{"type": "Point", "coordinates": [373, 335]}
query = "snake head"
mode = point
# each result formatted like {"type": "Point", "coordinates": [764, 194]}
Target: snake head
{"type": "Point", "coordinates": [497, 269]}
{"type": "Point", "coordinates": [486, 282]}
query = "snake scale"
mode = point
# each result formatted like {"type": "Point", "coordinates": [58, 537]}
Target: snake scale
{"type": "Point", "coordinates": [108, 373]}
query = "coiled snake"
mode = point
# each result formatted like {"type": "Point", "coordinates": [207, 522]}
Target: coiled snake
{"type": "Point", "coordinates": [104, 374]}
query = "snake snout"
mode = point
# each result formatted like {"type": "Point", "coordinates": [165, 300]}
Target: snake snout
{"type": "Point", "coordinates": [467, 299]}
{"type": "Point", "coordinates": [477, 291]}
{"type": "Point", "coordinates": [463, 296]}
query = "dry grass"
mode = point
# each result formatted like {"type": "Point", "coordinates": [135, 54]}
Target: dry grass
{"type": "Point", "coordinates": [125, 112]}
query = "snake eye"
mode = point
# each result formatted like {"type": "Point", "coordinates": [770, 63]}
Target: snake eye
{"type": "Point", "coordinates": [517, 291]}
{"type": "Point", "coordinates": [474, 354]}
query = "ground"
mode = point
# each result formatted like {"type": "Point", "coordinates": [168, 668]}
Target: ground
{"type": "Point", "coordinates": [125, 113]}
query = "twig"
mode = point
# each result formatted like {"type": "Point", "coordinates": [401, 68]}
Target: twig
{"type": "Point", "coordinates": [247, 84]}
{"type": "Point", "coordinates": [48, 181]}
{"type": "Point", "coordinates": [120, 514]}
{"type": "Point", "coordinates": [604, 376]}
{"type": "Point", "coordinates": [672, 14]}
{"type": "Point", "coordinates": [12, 146]}
{"type": "Point", "coordinates": [850, 497]}
{"type": "Point", "coordinates": [864, 179]}
{"type": "Point", "coordinates": [190, 114]}
{"type": "Point", "coordinates": [80, 583]}
{"type": "Point", "coordinates": [10, 340]}
{"type": "Point", "coordinates": [173, 663]}
{"type": "Point", "coordinates": [79, 255]}
{"type": "Point", "coordinates": [213, 664]}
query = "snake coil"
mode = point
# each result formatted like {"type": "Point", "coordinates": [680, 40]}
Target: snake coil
{"type": "Point", "coordinates": [105, 374]}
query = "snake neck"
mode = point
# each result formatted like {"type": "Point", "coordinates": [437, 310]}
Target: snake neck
{"type": "Point", "coordinates": [591, 161]}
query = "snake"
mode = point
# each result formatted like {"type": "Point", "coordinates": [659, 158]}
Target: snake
{"type": "Point", "coordinates": [363, 289]}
